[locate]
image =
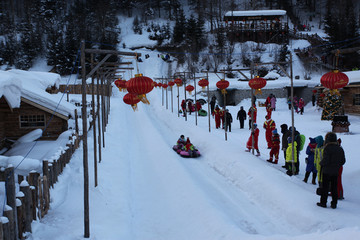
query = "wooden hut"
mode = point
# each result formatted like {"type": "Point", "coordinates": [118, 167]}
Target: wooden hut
{"type": "Point", "coordinates": [258, 25]}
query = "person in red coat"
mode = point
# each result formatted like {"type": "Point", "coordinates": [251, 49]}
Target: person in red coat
{"type": "Point", "coordinates": [255, 134]}
{"type": "Point", "coordinates": [275, 147]}
{"type": "Point", "coordinates": [198, 106]}
{"type": "Point", "coordinates": [183, 107]}
{"type": "Point", "coordinates": [269, 126]}
{"type": "Point", "coordinates": [217, 114]}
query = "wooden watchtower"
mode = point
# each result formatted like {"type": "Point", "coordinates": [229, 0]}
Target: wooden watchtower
{"type": "Point", "coordinates": [265, 26]}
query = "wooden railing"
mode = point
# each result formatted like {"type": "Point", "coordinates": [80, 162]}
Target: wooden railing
{"type": "Point", "coordinates": [28, 197]}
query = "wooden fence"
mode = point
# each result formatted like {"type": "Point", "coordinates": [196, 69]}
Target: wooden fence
{"type": "Point", "coordinates": [28, 198]}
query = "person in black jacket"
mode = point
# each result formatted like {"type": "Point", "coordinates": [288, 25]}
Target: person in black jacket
{"type": "Point", "coordinates": [333, 159]}
{"type": "Point", "coordinates": [228, 120]}
{"type": "Point", "coordinates": [241, 116]}
{"type": "Point", "coordinates": [284, 139]}
{"type": "Point", "coordinates": [298, 143]}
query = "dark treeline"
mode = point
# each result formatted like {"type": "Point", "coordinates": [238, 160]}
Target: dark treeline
{"type": "Point", "coordinates": [53, 29]}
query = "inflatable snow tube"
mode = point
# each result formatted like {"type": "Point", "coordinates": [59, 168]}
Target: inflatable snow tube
{"type": "Point", "coordinates": [189, 154]}
{"type": "Point", "coordinates": [202, 112]}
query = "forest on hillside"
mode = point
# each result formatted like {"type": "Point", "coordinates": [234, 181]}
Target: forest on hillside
{"type": "Point", "coordinates": [54, 29]}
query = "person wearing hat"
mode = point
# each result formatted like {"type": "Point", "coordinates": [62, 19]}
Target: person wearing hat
{"type": "Point", "coordinates": [269, 126]}
{"type": "Point", "coordinates": [217, 114]}
{"type": "Point", "coordinates": [310, 166]}
{"type": "Point", "coordinates": [333, 159]}
{"type": "Point", "coordinates": [254, 134]}
{"type": "Point", "coordinates": [275, 147]}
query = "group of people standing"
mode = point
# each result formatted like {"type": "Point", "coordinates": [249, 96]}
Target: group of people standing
{"type": "Point", "coordinates": [299, 104]}
{"type": "Point", "coordinates": [324, 157]}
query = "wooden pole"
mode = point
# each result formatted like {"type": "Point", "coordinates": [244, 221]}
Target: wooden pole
{"type": "Point", "coordinates": [94, 120]}
{"type": "Point", "coordinates": [102, 110]}
{"type": "Point", "coordinates": [98, 114]}
{"type": "Point", "coordinates": [208, 102]}
{"type": "Point", "coordinates": [85, 149]}
{"type": "Point", "coordinates": [292, 116]}
{"type": "Point", "coordinates": [185, 113]}
{"type": "Point", "coordinates": [178, 96]}
{"type": "Point", "coordinates": [196, 110]}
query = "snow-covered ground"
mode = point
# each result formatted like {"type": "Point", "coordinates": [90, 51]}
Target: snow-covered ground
{"type": "Point", "coordinates": [146, 191]}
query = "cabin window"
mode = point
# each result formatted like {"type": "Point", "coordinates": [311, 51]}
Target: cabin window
{"type": "Point", "coordinates": [29, 121]}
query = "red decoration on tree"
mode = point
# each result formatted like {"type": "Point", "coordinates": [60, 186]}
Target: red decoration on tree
{"type": "Point", "coordinates": [140, 85]}
{"type": "Point", "coordinates": [257, 83]}
{"type": "Point", "coordinates": [178, 82]}
{"type": "Point", "coordinates": [334, 80]}
{"type": "Point", "coordinates": [322, 95]}
{"type": "Point", "coordinates": [222, 85]}
{"type": "Point", "coordinates": [189, 88]}
{"type": "Point", "coordinates": [203, 83]}
{"type": "Point", "coordinates": [131, 99]}
{"type": "Point", "coordinates": [314, 91]}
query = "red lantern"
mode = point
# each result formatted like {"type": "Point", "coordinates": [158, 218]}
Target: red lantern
{"type": "Point", "coordinates": [131, 99]}
{"type": "Point", "coordinates": [203, 83]}
{"type": "Point", "coordinates": [257, 83]}
{"type": "Point", "coordinates": [334, 80]}
{"type": "Point", "coordinates": [121, 84]}
{"type": "Point", "coordinates": [178, 82]}
{"type": "Point", "coordinates": [117, 82]}
{"type": "Point", "coordinates": [140, 85]}
{"type": "Point", "coordinates": [189, 88]}
{"type": "Point", "coordinates": [222, 85]}
{"type": "Point", "coordinates": [165, 85]}
{"type": "Point", "coordinates": [159, 85]}
{"type": "Point", "coordinates": [171, 84]}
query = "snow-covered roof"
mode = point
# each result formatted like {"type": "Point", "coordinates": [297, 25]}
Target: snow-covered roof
{"type": "Point", "coordinates": [255, 13]}
{"type": "Point", "coordinates": [31, 85]}
{"type": "Point", "coordinates": [354, 76]}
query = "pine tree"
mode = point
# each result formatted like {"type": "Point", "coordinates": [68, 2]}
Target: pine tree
{"type": "Point", "coordinates": [179, 32]}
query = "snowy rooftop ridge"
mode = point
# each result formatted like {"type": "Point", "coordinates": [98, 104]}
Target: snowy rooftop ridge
{"type": "Point", "coordinates": [31, 85]}
{"type": "Point", "coordinates": [255, 13]}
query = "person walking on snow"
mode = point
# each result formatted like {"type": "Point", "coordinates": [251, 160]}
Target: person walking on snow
{"type": "Point", "coordinates": [228, 120]}
{"type": "Point", "coordinates": [310, 165]}
{"type": "Point", "coordinates": [275, 147]}
{"type": "Point", "coordinates": [254, 134]}
{"type": "Point", "coordinates": [269, 126]}
{"type": "Point", "coordinates": [301, 105]}
{"type": "Point", "coordinates": [217, 113]}
{"type": "Point", "coordinates": [241, 116]}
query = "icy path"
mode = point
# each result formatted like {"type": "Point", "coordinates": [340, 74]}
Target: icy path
{"type": "Point", "coordinates": [146, 191]}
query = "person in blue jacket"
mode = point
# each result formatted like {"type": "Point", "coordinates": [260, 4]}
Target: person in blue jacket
{"type": "Point", "coordinates": [310, 166]}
